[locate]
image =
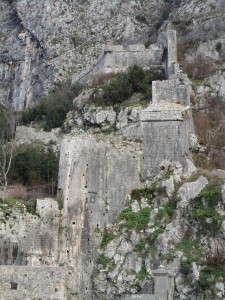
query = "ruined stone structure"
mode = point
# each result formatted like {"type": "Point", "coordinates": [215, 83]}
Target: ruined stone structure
{"type": "Point", "coordinates": [58, 249]}
{"type": "Point", "coordinates": [117, 58]}
{"type": "Point", "coordinates": [163, 288]}
{"type": "Point", "coordinates": [167, 121]}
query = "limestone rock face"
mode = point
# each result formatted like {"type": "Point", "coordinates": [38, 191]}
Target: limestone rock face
{"type": "Point", "coordinates": [203, 28]}
{"type": "Point", "coordinates": [190, 190]}
{"type": "Point", "coordinates": [43, 42]}
{"type": "Point", "coordinates": [95, 179]}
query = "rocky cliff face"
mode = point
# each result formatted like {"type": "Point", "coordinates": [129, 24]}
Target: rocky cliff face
{"type": "Point", "coordinates": [43, 42]}
{"type": "Point", "coordinates": [48, 41]}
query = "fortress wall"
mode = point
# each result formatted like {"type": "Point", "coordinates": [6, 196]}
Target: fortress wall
{"type": "Point", "coordinates": [164, 140]}
{"type": "Point", "coordinates": [173, 90]}
{"type": "Point", "coordinates": [95, 177]}
{"type": "Point", "coordinates": [117, 58]}
{"type": "Point", "coordinates": [27, 239]}
{"type": "Point", "coordinates": [172, 66]}
{"type": "Point", "coordinates": [31, 283]}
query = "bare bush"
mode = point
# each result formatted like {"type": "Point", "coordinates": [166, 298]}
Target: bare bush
{"type": "Point", "coordinates": [210, 128]}
{"type": "Point", "coordinates": [199, 67]}
{"type": "Point", "coordinates": [216, 259]}
{"type": "Point", "coordinates": [103, 78]}
{"type": "Point", "coordinates": [18, 192]}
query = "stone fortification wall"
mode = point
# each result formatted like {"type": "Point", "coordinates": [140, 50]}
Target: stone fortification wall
{"type": "Point", "coordinates": [95, 178]}
{"type": "Point", "coordinates": [117, 58]}
{"type": "Point", "coordinates": [163, 288]}
{"type": "Point", "coordinates": [172, 52]}
{"type": "Point", "coordinates": [26, 134]}
{"type": "Point", "coordinates": [164, 141]}
{"type": "Point", "coordinates": [23, 283]}
{"type": "Point", "coordinates": [28, 239]}
{"type": "Point", "coordinates": [176, 90]}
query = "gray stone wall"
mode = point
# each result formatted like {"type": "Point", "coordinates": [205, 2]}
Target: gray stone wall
{"type": "Point", "coordinates": [31, 283]}
{"type": "Point", "coordinates": [164, 141]}
{"type": "Point", "coordinates": [172, 52]}
{"type": "Point", "coordinates": [117, 58]}
{"type": "Point", "coordinates": [27, 239]}
{"type": "Point", "coordinates": [175, 90]}
{"type": "Point", "coordinates": [163, 288]}
{"type": "Point", "coordinates": [95, 178]}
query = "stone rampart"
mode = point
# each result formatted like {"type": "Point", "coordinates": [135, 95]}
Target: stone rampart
{"type": "Point", "coordinates": [117, 58]}
{"type": "Point", "coordinates": [26, 283]}
{"type": "Point", "coordinates": [95, 179]}
{"type": "Point", "coordinates": [163, 288]}
{"type": "Point", "coordinates": [176, 90]}
{"type": "Point", "coordinates": [172, 52]}
{"type": "Point", "coordinates": [26, 134]}
{"type": "Point", "coordinates": [30, 239]}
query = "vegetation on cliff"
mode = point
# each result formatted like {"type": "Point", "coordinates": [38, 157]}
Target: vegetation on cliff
{"type": "Point", "coordinates": [51, 110]}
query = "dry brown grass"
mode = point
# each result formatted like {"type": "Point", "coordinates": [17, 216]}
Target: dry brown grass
{"type": "Point", "coordinates": [210, 128]}
{"type": "Point", "coordinates": [200, 67]}
{"type": "Point", "coordinates": [18, 192]}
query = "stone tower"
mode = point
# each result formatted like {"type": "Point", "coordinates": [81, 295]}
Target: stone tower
{"type": "Point", "coordinates": [167, 121]}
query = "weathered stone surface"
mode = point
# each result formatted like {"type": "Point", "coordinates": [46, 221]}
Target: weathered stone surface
{"type": "Point", "coordinates": [168, 185]}
{"type": "Point", "coordinates": [32, 282]}
{"type": "Point", "coordinates": [189, 168]}
{"type": "Point", "coordinates": [26, 134]}
{"type": "Point", "coordinates": [81, 100]}
{"type": "Point", "coordinates": [46, 42]}
{"type": "Point", "coordinates": [190, 190]}
{"type": "Point", "coordinates": [30, 239]}
{"type": "Point", "coordinates": [95, 179]}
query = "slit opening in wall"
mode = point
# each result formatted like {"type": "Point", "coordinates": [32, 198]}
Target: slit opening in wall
{"type": "Point", "coordinates": [14, 285]}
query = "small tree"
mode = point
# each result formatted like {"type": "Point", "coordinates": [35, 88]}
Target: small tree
{"type": "Point", "coordinates": [7, 146]}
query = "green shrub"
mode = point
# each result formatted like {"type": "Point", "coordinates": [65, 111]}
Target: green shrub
{"type": "Point", "coordinates": [211, 194]}
{"type": "Point", "coordinates": [35, 164]}
{"type": "Point", "coordinates": [142, 274]}
{"type": "Point", "coordinates": [147, 193]}
{"type": "Point", "coordinates": [185, 266]}
{"type": "Point", "coordinates": [209, 276]}
{"type": "Point", "coordinates": [192, 253]}
{"type": "Point", "coordinates": [140, 246]}
{"type": "Point", "coordinates": [51, 110]}
{"type": "Point", "coordinates": [136, 220]}
{"type": "Point", "coordinates": [10, 202]}
{"type": "Point", "coordinates": [204, 208]}
{"type": "Point", "coordinates": [103, 260]}
{"type": "Point", "coordinates": [107, 237]}
{"type": "Point", "coordinates": [122, 87]}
